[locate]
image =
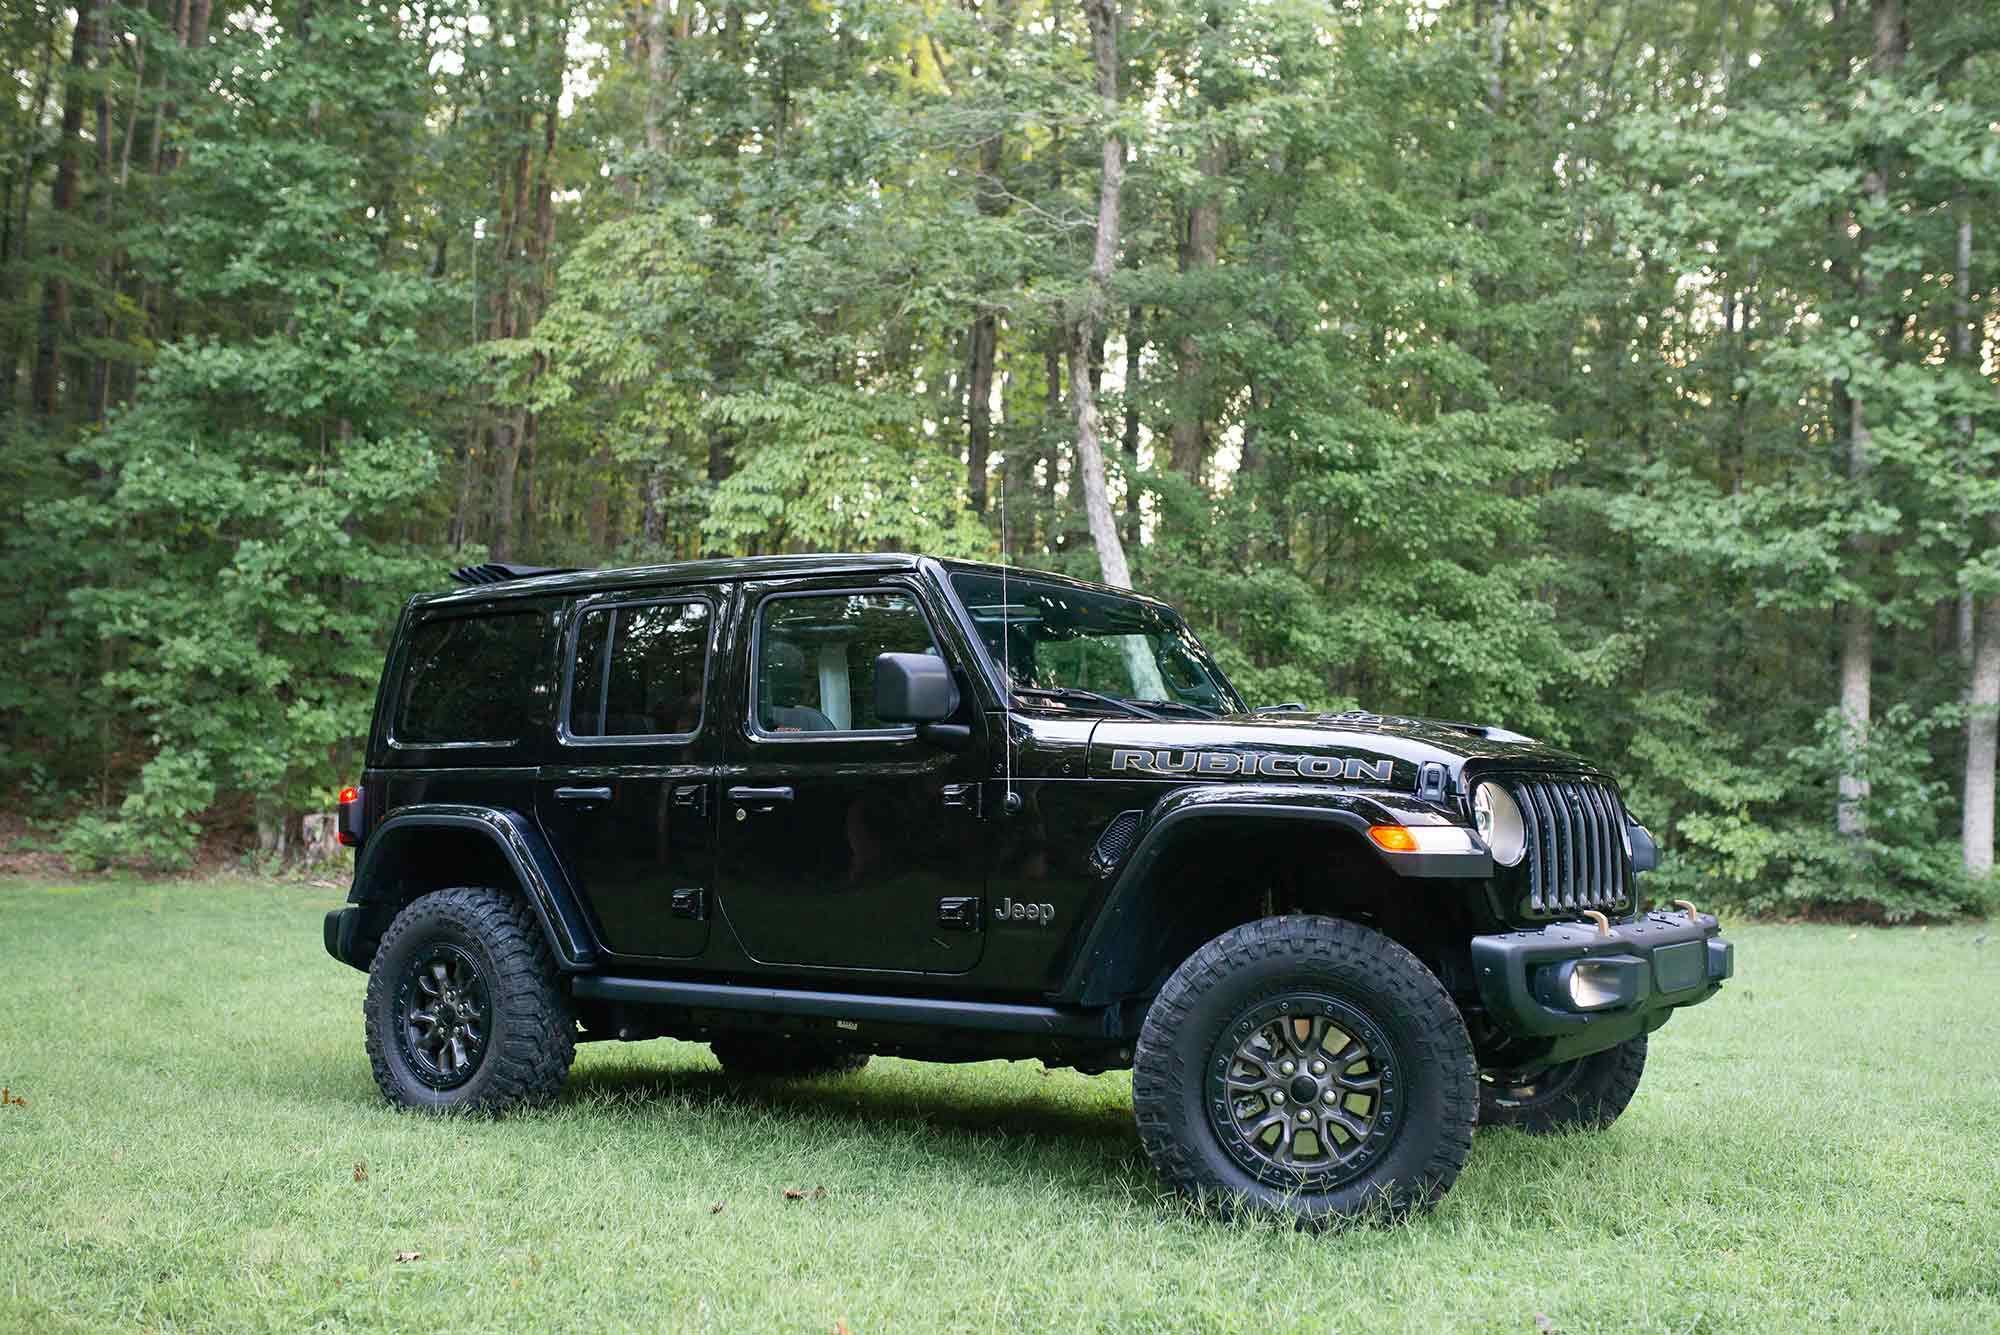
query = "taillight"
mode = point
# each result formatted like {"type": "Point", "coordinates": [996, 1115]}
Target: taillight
{"type": "Point", "coordinates": [349, 827]}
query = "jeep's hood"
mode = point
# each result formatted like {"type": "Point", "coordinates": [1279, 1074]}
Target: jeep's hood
{"type": "Point", "coordinates": [1374, 749]}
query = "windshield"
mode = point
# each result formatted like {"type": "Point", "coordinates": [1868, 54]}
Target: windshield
{"type": "Point", "coordinates": [1055, 638]}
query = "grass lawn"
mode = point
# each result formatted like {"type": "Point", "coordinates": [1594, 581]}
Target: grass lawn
{"type": "Point", "coordinates": [202, 1148]}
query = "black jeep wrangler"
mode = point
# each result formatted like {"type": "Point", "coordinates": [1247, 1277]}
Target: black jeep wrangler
{"type": "Point", "coordinates": [806, 809]}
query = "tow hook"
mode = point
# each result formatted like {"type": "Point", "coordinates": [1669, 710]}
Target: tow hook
{"type": "Point", "coordinates": [1694, 918]}
{"type": "Point", "coordinates": [1603, 923]}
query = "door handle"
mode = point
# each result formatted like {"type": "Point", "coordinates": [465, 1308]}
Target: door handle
{"type": "Point", "coordinates": [584, 794]}
{"type": "Point", "coordinates": [760, 795]}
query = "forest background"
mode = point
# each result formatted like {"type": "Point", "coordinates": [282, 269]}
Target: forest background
{"type": "Point", "coordinates": [1622, 371]}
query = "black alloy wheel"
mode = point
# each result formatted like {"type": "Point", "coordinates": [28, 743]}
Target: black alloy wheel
{"type": "Point", "coordinates": [1308, 1067]}
{"type": "Point", "coordinates": [465, 1011]}
{"type": "Point", "coordinates": [1302, 1091]}
{"type": "Point", "coordinates": [442, 1010]}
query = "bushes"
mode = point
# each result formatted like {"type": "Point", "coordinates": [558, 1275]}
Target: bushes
{"type": "Point", "coordinates": [1757, 837]}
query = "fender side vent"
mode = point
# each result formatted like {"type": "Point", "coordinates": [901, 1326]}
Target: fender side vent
{"type": "Point", "coordinates": [1115, 844]}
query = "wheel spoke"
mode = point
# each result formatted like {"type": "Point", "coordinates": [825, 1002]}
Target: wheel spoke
{"type": "Point", "coordinates": [1356, 1130]}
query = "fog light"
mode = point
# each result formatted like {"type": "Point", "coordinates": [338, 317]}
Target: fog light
{"type": "Point", "coordinates": [1597, 984]}
{"type": "Point", "coordinates": [1593, 985]}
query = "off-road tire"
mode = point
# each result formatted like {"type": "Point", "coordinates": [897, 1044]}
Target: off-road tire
{"type": "Point", "coordinates": [530, 1033]}
{"type": "Point", "coordinates": [1582, 1095]}
{"type": "Point", "coordinates": [1252, 967]}
{"type": "Point", "coordinates": [755, 1056]}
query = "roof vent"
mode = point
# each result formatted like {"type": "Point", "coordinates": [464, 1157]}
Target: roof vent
{"type": "Point", "coordinates": [497, 572]}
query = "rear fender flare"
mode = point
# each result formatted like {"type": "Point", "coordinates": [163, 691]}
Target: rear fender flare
{"type": "Point", "coordinates": [537, 871]}
{"type": "Point", "coordinates": [1101, 972]}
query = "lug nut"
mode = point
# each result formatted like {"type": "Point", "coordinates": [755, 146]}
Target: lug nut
{"type": "Point", "coordinates": [1305, 1116]}
{"type": "Point", "coordinates": [1327, 1097]}
{"type": "Point", "coordinates": [1286, 1067]}
{"type": "Point", "coordinates": [1277, 1096]}
{"type": "Point", "coordinates": [1319, 1068]}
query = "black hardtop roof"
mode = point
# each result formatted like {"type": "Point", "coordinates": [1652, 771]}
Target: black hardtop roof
{"type": "Point", "coordinates": [565, 582]}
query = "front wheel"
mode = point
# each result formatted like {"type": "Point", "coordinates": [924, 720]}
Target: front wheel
{"type": "Point", "coordinates": [1309, 1066]}
{"type": "Point", "coordinates": [1582, 1095]}
{"type": "Point", "coordinates": [464, 1011]}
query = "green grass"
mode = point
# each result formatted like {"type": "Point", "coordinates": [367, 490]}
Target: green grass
{"type": "Point", "coordinates": [1819, 1147]}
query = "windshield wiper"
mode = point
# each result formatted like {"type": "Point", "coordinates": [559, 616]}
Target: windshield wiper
{"type": "Point", "coordinates": [1077, 693]}
{"type": "Point", "coordinates": [1200, 711]}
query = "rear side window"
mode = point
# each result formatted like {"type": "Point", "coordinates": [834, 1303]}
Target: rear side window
{"type": "Point", "coordinates": [639, 671]}
{"type": "Point", "coordinates": [471, 679]}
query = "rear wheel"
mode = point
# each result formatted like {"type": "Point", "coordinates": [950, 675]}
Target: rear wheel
{"type": "Point", "coordinates": [1582, 1095]}
{"type": "Point", "coordinates": [791, 1058]}
{"type": "Point", "coordinates": [463, 1011]}
{"type": "Point", "coordinates": [1308, 1066]}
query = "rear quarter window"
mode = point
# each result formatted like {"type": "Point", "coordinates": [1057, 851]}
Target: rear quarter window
{"type": "Point", "coordinates": [471, 679]}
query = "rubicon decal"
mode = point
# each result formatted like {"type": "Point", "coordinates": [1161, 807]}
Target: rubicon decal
{"type": "Point", "coordinates": [1273, 764]}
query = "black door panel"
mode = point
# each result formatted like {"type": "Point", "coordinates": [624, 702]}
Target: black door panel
{"type": "Point", "coordinates": [844, 839]}
{"type": "Point", "coordinates": [629, 796]}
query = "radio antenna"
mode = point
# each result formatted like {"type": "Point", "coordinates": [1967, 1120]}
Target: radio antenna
{"type": "Point", "coordinates": [1008, 801]}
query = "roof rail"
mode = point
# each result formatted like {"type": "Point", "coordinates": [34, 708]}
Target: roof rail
{"type": "Point", "coordinates": [497, 572]}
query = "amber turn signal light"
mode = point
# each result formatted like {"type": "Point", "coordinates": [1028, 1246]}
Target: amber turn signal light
{"type": "Point", "coordinates": [1394, 838]}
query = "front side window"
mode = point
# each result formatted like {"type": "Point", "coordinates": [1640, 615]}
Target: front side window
{"type": "Point", "coordinates": [639, 671]}
{"type": "Point", "coordinates": [1057, 638]}
{"type": "Point", "coordinates": [471, 679]}
{"type": "Point", "coordinates": [816, 658]}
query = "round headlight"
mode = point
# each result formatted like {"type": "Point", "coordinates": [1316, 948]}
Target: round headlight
{"type": "Point", "coordinates": [1498, 819]}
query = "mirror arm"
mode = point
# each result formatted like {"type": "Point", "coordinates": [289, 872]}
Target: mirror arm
{"type": "Point", "coordinates": [946, 736]}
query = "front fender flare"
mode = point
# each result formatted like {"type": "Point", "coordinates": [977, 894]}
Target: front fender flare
{"type": "Point", "coordinates": [536, 869]}
{"type": "Point", "coordinates": [1108, 946]}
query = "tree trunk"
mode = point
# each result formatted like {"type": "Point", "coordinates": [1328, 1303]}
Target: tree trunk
{"type": "Point", "coordinates": [1197, 256]}
{"type": "Point", "coordinates": [656, 74]}
{"type": "Point", "coordinates": [1982, 733]}
{"type": "Point", "coordinates": [1129, 442]}
{"type": "Point", "coordinates": [46, 382]}
{"type": "Point", "coordinates": [1103, 20]}
{"type": "Point", "coordinates": [1982, 719]}
{"type": "Point", "coordinates": [985, 339]}
{"type": "Point", "coordinates": [1857, 640]}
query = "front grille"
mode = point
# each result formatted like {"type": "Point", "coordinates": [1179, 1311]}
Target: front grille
{"type": "Point", "coordinates": [1576, 844]}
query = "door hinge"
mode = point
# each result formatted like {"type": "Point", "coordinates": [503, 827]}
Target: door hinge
{"type": "Point", "coordinates": [690, 903]}
{"type": "Point", "coordinates": [963, 797]}
{"type": "Point", "coordinates": [691, 797]}
{"type": "Point", "coordinates": [960, 913]}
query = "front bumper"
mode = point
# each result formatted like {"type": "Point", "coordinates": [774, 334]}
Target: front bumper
{"type": "Point", "coordinates": [1638, 973]}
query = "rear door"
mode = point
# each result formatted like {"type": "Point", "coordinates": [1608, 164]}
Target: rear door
{"type": "Point", "coordinates": [628, 796]}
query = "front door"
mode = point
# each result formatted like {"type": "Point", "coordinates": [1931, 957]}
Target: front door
{"type": "Point", "coordinates": [847, 842]}
{"type": "Point", "coordinates": [629, 795]}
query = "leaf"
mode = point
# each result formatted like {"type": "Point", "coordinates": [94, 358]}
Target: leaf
{"type": "Point", "coordinates": [715, 1208]}
{"type": "Point", "coordinates": [402, 1257]}
{"type": "Point", "coordinates": [360, 1170]}
{"type": "Point", "coordinates": [794, 1194]}
{"type": "Point", "coordinates": [840, 1327]}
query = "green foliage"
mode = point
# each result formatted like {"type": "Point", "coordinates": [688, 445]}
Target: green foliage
{"type": "Point", "coordinates": [1482, 361]}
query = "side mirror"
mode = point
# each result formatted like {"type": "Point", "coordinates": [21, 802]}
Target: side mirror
{"type": "Point", "coordinates": [914, 688]}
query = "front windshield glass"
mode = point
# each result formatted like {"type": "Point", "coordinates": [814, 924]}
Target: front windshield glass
{"type": "Point", "coordinates": [1053, 637]}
